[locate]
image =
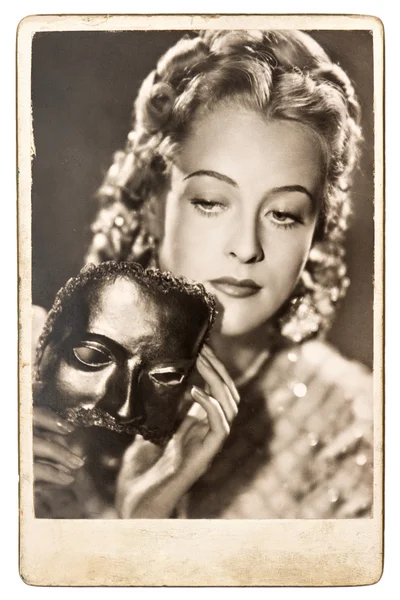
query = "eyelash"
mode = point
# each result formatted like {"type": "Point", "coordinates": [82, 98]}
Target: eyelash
{"type": "Point", "coordinates": [201, 206]}
{"type": "Point", "coordinates": [295, 220]}
{"type": "Point", "coordinates": [91, 366]}
{"type": "Point", "coordinates": [176, 377]}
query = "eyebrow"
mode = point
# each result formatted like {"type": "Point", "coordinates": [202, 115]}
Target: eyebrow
{"type": "Point", "coordinates": [276, 190]}
{"type": "Point", "coordinates": [215, 174]}
{"type": "Point", "coordinates": [294, 188]}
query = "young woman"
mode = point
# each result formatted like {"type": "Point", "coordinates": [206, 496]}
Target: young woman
{"type": "Point", "coordinates": [236, 174]}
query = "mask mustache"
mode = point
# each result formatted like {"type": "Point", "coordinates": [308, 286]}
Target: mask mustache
{"type": "Point", "coordinates": [94, 417]}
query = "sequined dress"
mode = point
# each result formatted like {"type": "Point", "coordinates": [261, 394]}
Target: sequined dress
{"type": "Point", "coordinates": [300, 447]}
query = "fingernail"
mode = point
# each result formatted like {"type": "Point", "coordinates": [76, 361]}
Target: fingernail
{"type": "Point", "coordinates": [64, 478]}
{"type": "Point", "coordinates": [204, 360]}
{"type": "Point", "coordinates": [199, 391]}
{"type": "Point", "coordinates": [208, 350]}
{"type": "Point", "coordinates": [65, 427]}
{"type": "Point", "coordinates": [76, 462]}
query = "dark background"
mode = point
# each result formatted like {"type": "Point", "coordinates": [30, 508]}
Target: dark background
{"type": "Point", "coordinates": [83, 86]}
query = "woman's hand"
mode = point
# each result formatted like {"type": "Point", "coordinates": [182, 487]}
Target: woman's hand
{"type": "Point", "coordinates": [152, 480]}
{"type": "Point", "coordinates": [54, 462]}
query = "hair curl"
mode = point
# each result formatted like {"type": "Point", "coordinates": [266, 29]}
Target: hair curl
{"type": "Point", "coordinates": [280, 74]}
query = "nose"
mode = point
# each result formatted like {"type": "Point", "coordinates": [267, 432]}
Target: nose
{"type": "Point", "coordinates": [244, 242]}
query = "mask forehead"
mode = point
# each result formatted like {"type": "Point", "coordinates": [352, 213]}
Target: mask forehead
{"type": "Point", "coordinates": [119, 311]}
{"type": "Point", "coordinates": [161, 324]}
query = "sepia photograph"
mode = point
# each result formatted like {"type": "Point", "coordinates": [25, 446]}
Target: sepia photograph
{"type": "Point", "coordinates": [201, 243]}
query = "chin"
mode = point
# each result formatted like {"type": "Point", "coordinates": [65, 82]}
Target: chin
{"type": "Point", "coordinates": [235, 326]}
{"type": "Point", "coordinates": [240, 317]}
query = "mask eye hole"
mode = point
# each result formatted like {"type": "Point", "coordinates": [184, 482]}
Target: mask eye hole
{"type": "Point", "coordinates": [92, 355]}
{"type": "Point", "coordinates": [167, 376]}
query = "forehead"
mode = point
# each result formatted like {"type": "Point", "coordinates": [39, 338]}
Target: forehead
{"type": "Point", "coordinates": [248, 148]}
{"type": "Point", "coordinates": [126, 312]}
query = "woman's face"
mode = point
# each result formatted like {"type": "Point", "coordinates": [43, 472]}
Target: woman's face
{"type": "Point", "coordinates": [241, 211]}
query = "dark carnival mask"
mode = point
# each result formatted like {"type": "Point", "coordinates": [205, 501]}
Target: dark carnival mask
{"type": "Point", "coordinates": [118, 347]}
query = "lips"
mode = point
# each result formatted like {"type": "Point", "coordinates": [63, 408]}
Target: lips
{"type": "Point", "coordinates": [236, 288]}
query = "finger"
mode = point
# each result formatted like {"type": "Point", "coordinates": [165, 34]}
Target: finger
{"type": "Point", "coordinates": [50, 474]}
{"type": "Point", "coordinates": [46, 418]}
{"type": "Point", "coordinates": [62, 440]}
{"type": "Point", "coordinates": [218, 423]}
{"type": "Point", "coordinates": [169, 462]}
{"type": "Point", "coordinates": [199, 432]}
{"type": "Point", "coordinates": [221, 369]}
{"type": "Point", "coordinates": [185, 426]}
{"type": "Point", "coordinates": [56, 453]}
{"type": "Point", "coordinates": [141, 454]}
{"type": "Point", "coordinates": [197, 412]}
{"type": "Point", "coordinates": [76, 446]}
{"type": "Point", "coordinates": [218, 389]}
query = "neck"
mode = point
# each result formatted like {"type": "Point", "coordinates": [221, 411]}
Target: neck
{"type": "Point", "coordinates": [238, 353]}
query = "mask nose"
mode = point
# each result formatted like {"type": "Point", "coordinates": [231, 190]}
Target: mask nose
{"type": "Point", "coordinates": [122, 400]}
{"type": "Point", "coordinates": [125, 412]}
{"type": "Point", "coordinates": [130, 406]}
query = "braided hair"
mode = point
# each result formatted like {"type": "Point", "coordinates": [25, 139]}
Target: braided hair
{"type": "Point", "coordinates": [280, 74]}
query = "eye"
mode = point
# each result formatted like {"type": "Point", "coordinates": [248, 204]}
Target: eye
{"type": "Point", "coordinates": [284, 219]}
{"type": "Point", "coordinates": [167, 376]}
{"type": "Point", "coordinates": [93, 355]}
{"type": "Point", "coordinates": [208, 208]}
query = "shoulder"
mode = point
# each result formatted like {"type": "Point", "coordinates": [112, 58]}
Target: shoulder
{"type": "Point", "coordinates": [349, 381]}
{"type": "Point", "coordinates": [328, 363]}
{"type": "Point", "coordinates": [326, 401]}
{"type": "Point", "coordinates": [320, 359]}
{"type": "Point", "coordinates": [319, 371]}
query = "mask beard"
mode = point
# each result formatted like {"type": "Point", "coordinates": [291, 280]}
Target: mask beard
{"type": "Point", "coordinates": [94, 417]}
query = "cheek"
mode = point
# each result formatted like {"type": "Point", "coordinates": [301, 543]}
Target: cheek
{"type": "Point", "coordinates": [289, 254]}
{"type": "Point", "coordinates": [188, 242]}
{"type": "Point", "coordinates": [160, 403]}
{"type": "Point", "coordinates": [74, 387]}
{"type": "Point", "coordinates": [184, 333]}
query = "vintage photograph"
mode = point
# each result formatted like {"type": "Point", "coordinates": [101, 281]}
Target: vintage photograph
{"type": "Point", "coordinates": [205, 248]}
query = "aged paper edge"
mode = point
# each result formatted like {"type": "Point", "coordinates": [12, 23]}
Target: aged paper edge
{"type": "Point", "coordinates": [207, 552]}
